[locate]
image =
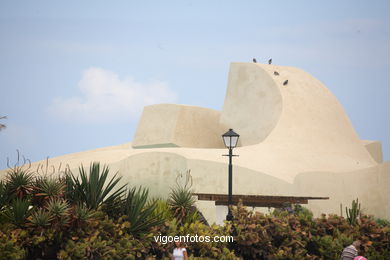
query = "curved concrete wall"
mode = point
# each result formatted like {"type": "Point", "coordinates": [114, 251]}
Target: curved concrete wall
{"type": "Point", "coordinates": [253, 103]}
{"type": "Point", "coordinates": [312, 119]}
{"type": "Point", "coordinates": [158, 169]}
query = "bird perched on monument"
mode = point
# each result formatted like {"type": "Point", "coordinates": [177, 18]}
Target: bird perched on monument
{"type": "Point", "coordinates": [276, 73]}
{"type": "Point", "coordinates": [269, 61]}
{"type": "Point", "coordinates": [285, 82]}
{"type": "Point", "coordinates": [254, 60]}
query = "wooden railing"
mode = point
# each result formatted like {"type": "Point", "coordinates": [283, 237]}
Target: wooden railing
{"type": "Point", "coordinates": [257, 200]}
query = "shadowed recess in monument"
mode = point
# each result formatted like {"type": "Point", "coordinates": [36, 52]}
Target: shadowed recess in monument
{"type": "Point", "coordinates": [156, 146]}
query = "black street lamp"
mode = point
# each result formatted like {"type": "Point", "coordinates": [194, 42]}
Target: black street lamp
{"type": "Point", "coordinates": [230, 138]}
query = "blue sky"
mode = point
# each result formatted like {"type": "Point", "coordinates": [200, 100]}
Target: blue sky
{"type": "Point", "coordinates": [75, 75]}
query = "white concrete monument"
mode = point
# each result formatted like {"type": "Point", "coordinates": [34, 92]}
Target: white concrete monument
{"type": "Point", "coordinates": [295, 140]}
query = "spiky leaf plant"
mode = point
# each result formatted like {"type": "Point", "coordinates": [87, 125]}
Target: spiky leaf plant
{"type": "Point", "coordinates": [19, 182]}
{"type": "Point", "coordinates": [71, 194]}
{"type": "Point", "coordinates": [139, 212]}
{"type": "Point", "coordinates": [17, 212]}
{"type": "Point", "coordinates": [81, 215]}
{"type": "Point", "coordinates": [60, 211]}
{"type": "Point", "coordinates": [41, 218]}
{"type": "Point", "coordinates": [93, 188]}
{"type": "Point", "coordinates": [4, 196]}
{"type": "Point", "coordinates": [113, 208]}
{"type": "Point", "coordinates": [181, 202]}
{"type": "Point", "coordinates": [46, 188]}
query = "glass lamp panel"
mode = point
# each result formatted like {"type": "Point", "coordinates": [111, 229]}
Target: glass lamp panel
{"type": "Point", "coordinates": [234, 141]}
{"type": "Point", "coordinates": [226, 140]}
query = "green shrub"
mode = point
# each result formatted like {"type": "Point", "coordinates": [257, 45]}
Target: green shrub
{"type": "Point", "coordinates": [9, 247]}
{"type": "Point", "coordinates": [105, 239]}
{"type": "Point", "coordinates": [162, 210]}
{"type": "Point", "coordinates": [382, 222]}
{"type": "Point", "coordinates": [89, 217]}
{"type": "Point", "coordinates": [299, 236]}
{"type": "Point", "coordinates": [212, 250]}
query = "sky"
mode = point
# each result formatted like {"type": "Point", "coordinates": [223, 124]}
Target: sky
{"type": "Point", "coordinates": [75, 75]}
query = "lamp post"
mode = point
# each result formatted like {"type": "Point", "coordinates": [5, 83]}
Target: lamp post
{"type": "Point", "coordinates": [230, 139]}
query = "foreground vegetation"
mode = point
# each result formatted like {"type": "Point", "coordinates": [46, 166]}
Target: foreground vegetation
{"type": "Point", "coordinates": [91, 216]}
{"type": "Point", "coordinates": [297, 235]}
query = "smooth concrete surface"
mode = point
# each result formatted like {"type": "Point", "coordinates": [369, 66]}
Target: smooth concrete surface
{"type": "Point", "coordinates": [253, 102]}
{"type": "Point", "coordinates": [375, 149]}
{"type": "Point", "coordinates": [221, 212]}
{"type": "Point", "coordinates": [297, 142]}
{"type": "Point", "coordinates": [170, 125]}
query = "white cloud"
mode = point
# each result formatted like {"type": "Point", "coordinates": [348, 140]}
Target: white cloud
{"type": "Point", "coordinates": [106, 97]}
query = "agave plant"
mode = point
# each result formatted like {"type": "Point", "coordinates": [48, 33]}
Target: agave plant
{"type": "Point", "coordinates": [18, 211]}
{"type": "Point", "coordinates": [181, 202]}
{"type": "Point", "coordinates": [41, 218]}
{"type": "Point", "coordinates": [93, 188]}
{"type": "Point", "coordinates": [19, 182]}
{"type": "Point", "coordinates": [81, 215]}
{"type": "Point", "coordinates": [60, 211]}
{"type": "Point", "coordinates": [139, 212]}
{"type": "Point", "coordinates": [46, 188]}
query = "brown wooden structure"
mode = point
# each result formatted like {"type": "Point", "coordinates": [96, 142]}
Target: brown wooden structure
{"type": "Point", "coordinates": [257, 200]}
